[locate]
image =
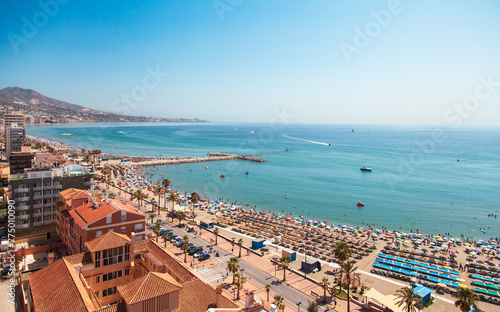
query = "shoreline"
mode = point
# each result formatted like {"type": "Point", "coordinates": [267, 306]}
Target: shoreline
{"type": "Point", "coordinates": [140, 160]}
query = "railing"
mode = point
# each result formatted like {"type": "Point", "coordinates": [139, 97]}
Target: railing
{"type": "Point", "coordinates": [38, 206]}
{"type": "Point", "coordinates": [48, 221]}
{"type": "Point", "coordinates": [38, 214]}
{"type": "Point", "coordinates": [22, 189]}
{"type": "Point", "coordinates": [47, 213]}
{"type": "Point", "coordinates": [57, 186]}
{"type": "Point", "coordinates": [37, 223]}
{"type": "Point", "coordinates": [23, 207]}
{"type": "Point", "coordinates": [22, 226]}
{"type": "Point", "coordinates": [22, 199]}
{"type": "Point", "coordinates": [48, 196]}
{"type": "Point", "coordinates": [22, 217]}
{"type": "Point", "coordinates": [37, 196]}
{"type": "Point", "coordinates": [48, 205]}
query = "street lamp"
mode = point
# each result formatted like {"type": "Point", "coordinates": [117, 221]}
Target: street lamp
{"type": "Point", "coordinates": [298, 306]}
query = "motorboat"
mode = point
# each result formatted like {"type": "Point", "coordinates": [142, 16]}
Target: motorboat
{"type": "Point", "coordinates": [360, 204]}
{"type": "Point", "coordinates": [365, 169]}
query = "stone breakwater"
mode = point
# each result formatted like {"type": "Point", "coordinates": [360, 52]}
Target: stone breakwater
{"type": "Point", "coordinates": [211, 157]}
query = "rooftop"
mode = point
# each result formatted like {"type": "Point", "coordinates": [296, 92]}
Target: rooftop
{"type": "Point", "coordinates": [107, 241]}
{"type": "Point", "coordinates": [148, 286]}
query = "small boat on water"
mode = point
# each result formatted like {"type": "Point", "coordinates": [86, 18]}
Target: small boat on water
{"type": "Point", "coordinates": [360, 204]}
{"type": "Point", "coordinates": [365, 169]}
{"type": "Point", "coordinates": [222, 176]}
{"type": "Point", "coordinates": [247, 172]}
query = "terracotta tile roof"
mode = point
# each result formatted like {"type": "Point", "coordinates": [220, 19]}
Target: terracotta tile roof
{"type": "Point", "coordinates": [120, 204]}
{"type": "Point", "coordinates": [58, 287]}
{"type": "Point", "coordinates": [65, 213]}
{"type": "Point", "coordinates": [107, 241]}
{"type": "Point", "coordinates": [184, 274]}
{"type": "Point", "coordinates": [87, 214]}
{"type": "Point", "coordinates": [80, 258]}
{"type": "Point", "coordinates": [73, 193]}
{"type": "Point", "coordinates": [148, 286]}
{"type": "Point", "coordinates": [196, 296]}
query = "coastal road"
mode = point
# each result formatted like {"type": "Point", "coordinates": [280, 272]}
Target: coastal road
{"type": "Point", "coordinates": [292, 296]}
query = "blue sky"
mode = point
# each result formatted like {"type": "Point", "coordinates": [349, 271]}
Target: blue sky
{"type": "Point", "coordinates": [418, 62]}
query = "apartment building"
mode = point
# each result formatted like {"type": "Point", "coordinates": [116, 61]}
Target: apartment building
{"type": "Point", "coordinates": [116, 273]}
{"type": "Point", "coordinates": [36, 192]}
{"type": "Point", "coordinates": [98, 217]}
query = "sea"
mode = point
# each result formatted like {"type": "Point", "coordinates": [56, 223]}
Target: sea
{"type": "Point", "coordinates": [433, 180]}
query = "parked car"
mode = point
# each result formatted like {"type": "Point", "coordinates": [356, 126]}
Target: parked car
{"type": "Point", "coordinates": [190, 229]}
{"type": "Point", "coordinates": [198, 254]}
{"type": "Point", "coordinates": [203, 257]}
{"type": "Point", "coordinates": [194, 250]}
{"type": "Point", "coordinates": [163, 231]}
{"type": "Point", "coordinates": [173, 238]}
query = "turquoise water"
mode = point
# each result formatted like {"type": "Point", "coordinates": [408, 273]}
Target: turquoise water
{"type": "Point", "coordinates": [416, 182]}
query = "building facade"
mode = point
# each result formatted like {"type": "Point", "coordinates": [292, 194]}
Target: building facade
{"type": "Point", "coordinates": [36, 193]}
{"type": "Point", "coordinates": [14, 131]}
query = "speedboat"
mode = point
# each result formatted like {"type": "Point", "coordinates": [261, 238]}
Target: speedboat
{"type": "Point", "coordinates": [247, 172]}
{"type": "Point", "coordinates": [365, 169]}
{"type": "Point", "coordinates": [222, 176]}
{"type": "Point", "coordinates": [360, 204]}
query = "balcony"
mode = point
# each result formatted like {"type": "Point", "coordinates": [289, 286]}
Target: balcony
{"type": "Point", "coordinates": [22, 226]}
{"type": "Point", "coordinates": [48, 221]}
{"type": "Point", "coordinates": [38, 214]}
{"type": "Point", "coordinates": [47, 213]}
{"type": "Point", "coordinates": [23, 207]}
{"type": "Point", "coordinates": [22, 199]}
{"type": "Point", "coordinates": [37, 223]}
{"type": "Point", "coordinates": [23, 217]}
{"type": "Point", "coordinates": [36, 206]}
{"type": "Point", "coordinates": [48, 196]}
{"type": "Point", "coordinates": [49, 205]}
{"type": "Point", "coordinates": [57, 186]}
{"type": "Point", "coordinates": [37, 197]}
{"type": "Point", "coordinates": [22, 190]}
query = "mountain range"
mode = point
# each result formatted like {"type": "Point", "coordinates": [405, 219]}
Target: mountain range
{"type": "Point", "coordinates": [48, 110]}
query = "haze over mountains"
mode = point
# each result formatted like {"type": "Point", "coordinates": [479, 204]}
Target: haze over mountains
{"type": "Point", "coordinates": [44, 109]}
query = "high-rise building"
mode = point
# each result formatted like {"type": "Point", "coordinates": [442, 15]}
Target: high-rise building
{"type": "Point", "coordinates": [15, 132]}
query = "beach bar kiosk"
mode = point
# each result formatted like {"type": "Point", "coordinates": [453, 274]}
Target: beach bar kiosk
{"type": "Point", "coordinates": [423, 292]}
{"type": "Point", "coordinates": [257, 245]}
{"type": "Point", "coordinates": [308, 267]}
{"type": "Point", "coordinates": [291, 255]}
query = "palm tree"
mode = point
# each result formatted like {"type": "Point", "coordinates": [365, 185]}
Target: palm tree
{"type": "Point", "coordinates": [164, 239]}
{"type": "Point", "coordinates": [139, 195]}
{"type": "Point", "coordinates": [408, 299]}
{"type": "Point", "coordinates": [173, 197]}
{"type": "Point", "coordinates": [349, 271]}
{"type": "Point", "coordinates": [111, 195]}
{"type": "Point", "coordinates": [240, 280]}
{"type": "Point", "coordinates": [324, 284]}
{"type": "Point", "coordinates": [157, 228]}
{"type": "Point", "coordinates": [195, 197]}
{"type": "Point", "coordinates": [185, 246]}
{"type": "Point", "coordinates": [240, 243]}
{"type": "Point", "coordinates": [342, 252]}
{"type": "Point", "coordinates": [312, 307]}
{"type": "Point", "coordinates": [285, 262]}
{"type": "Point", "coordinates": [268, 289]}
{"type": "Point", "coordinates": [278, 300]}
{"type": "Point", "coordinates": [152, 216]}
{"type": "Point", "coordinates": [232, 266]}
{"type": "Point", "coordinates": [465, 299]}
{"type": "Point", "coordinates": [216, 232]}
{"type": "Point", "coordinates": [165, 183]}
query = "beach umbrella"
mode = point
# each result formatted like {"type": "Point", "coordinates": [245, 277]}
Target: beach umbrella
{"type": "Point", "coordinates": [462, 286]}
{"type": "Point", "coordinates": [441, 285]}
{"type": "Point", "coordinates": [460, 280]}
{"type": "Point", "coordinates": [447, 267]}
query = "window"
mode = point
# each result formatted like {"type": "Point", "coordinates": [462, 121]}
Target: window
{"type": "Point", "coordinates": [108, 219]}
{"type": "Point", "coordinates": [118, 274]}
{"type": "Point", "coordinates": [111, 230]}
{"type": "Point", "coordinates": [124, 216]}
{"type": "Point", "coordinates": [124, 229]}
{"type": "Point", "coordinates": [111, 275]}
{"type": "Point", "coordinates": [137, 257]}
{"type": "Point", "coordinates": [97, 294]}
{"type": "Point", "coordinates": [112, 256]}
{"type": "Point", "coordinates": [97, 263]}
{"type": "Point", "coordinates": [98, 233]}
{"type": "Point", "coordinates": [109, 292]}
{"type": "Point", "coordinates": [138, 227]}
{"type": "Point", "coordinates": [127, 272]}
{"type": "Point", "coordinates": [97, 279]}
{"type": "Point", "coordinates": [127, 252]}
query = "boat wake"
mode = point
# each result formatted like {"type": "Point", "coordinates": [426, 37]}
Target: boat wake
{"type": "Point", "coordinates": [309, 141]}
{"type": "Point", "coordinates": [121, 132]}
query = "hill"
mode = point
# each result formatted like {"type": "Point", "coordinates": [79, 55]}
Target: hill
{"type": "Point", "coordinates": [44, 109]}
